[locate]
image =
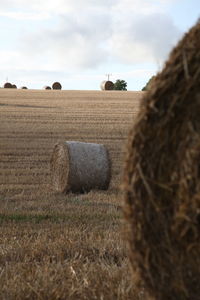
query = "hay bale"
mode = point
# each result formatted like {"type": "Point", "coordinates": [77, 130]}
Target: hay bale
{"type": "Point", "coordinates": [149, 84]}
{"type": "Point", "coordinates": [107, 85]}
{"type": "Point", "coordinates": [14, 86]}
{"type": "Point", "coordinates": [56, 86]}
{"type": "Point", "coordinates": [46, 87]}
{"type": "Point", "coordinates": [79, 167]}
{"type": "Point", "coordinates": [7, 85]}
{"type": "Point", "coordinates": [24, 88]}
{"type": "Point", "coordinates": [162, 179]}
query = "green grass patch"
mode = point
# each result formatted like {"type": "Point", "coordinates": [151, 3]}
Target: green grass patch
{"type": "Point", "coordinates": [71, 219]}
{"type": "Point", "coordinates": [27, 218]}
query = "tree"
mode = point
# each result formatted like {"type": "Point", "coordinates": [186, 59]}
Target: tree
{"type": "Point", "coordinates": [149, 84]}
{"type": "Point", "coordinates": [120, 85]}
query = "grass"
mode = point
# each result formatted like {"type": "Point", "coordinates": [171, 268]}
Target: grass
{"type": "Point", "coordinates": [55, 246]}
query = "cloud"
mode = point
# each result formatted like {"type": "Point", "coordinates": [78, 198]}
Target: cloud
{"type": "Point", "coordinates": [95, 35]}
{"type": "Point", "coordinates": [52, 6]}
{"type": "Point", "coordinates": [77, 41]}
{"type": "Point", "coordinates": [25, 15]}
{"type": "Point", "coordinates": [86, 34]}
{"type": "Point", "coordinates": [144, 38]}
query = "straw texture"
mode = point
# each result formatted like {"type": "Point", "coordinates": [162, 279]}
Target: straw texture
{"type": "Point", "coordinates": [107, 85]}
{"type": "Point", "coordinates": [46, 87]}
{"type": "Point", "coordinates": [7, 85]}
{"type": "Point", "coordinates": [162, 179]}
{"type": "Point", "coordinates": [56, 86]}
{"type": "Point", "coordinates": [79, 167]}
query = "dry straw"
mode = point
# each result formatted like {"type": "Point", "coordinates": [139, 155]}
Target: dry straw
{"type": "Point", "coordinates": [7, 85]}
{"type": "Point", "coordinates": [79, 167]}
{"type": "Point", "coordinates": [46, 87]}
{"type": "Point", "coordinates": [56, 86]}
{"type": "Point", "coordinates": [107, 85]}
{"type": "Point", "coordinates": [162, 179]}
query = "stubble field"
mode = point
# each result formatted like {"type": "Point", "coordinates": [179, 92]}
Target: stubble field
{"type": "Point", "coordinates": [55, 246]}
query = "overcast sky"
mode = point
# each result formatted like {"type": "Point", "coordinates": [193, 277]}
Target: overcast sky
{"type": "Point", "coordinates": [77, 42]}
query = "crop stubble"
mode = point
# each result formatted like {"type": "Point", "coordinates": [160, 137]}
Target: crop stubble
{"type": "Point", "coordinates": [61, 246]}
{"type": "Point", "coordinates": [33, 121]}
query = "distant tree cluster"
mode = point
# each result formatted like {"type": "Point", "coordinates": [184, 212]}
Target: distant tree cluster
{"type": "Point", "coordinates": [120, 85]}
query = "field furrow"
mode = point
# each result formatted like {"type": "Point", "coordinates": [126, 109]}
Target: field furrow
{"type": "Point", "coordinates": [33, 121]}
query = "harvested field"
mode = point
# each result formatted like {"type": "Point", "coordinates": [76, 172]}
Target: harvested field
{"type": "Point", "coordinates": [61, 246]}
{"type": "Point", "coordinates": [33, 121]}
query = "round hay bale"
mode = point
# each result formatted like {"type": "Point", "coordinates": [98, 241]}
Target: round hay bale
{"type": "Point", "coordinates": [56, 86]}
{"type": "Point", "coordinates": [149, 84]}
{"type": "Point", "coordinates": [46, 87]}
{"type": "Point", "coordinates": [162, 179]}
{"type": "Point", "coordinates": [79, 167]}
{"type": "Point", "coordinates": [24, 88]}
{"type": "Point", "coordinates": [14, 86]}
{"type": "Point", "coordinates": [107, 85]}
{"type": "Point", "coordinates": [7, 85]}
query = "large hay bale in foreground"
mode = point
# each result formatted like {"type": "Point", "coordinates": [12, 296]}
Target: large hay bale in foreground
{"type": "Point", "coordinates": [79, 167]}
{"type": "Point", "coordinates": [162, 179]}
{"type": "Point", "coordinates": [107, 85]}
{"type": "Point", "coordinates": [149, 84]}
{"type": "Point", "coordinates": [7, 85]}
{"type": "Point", "coordinates": [56, 86]}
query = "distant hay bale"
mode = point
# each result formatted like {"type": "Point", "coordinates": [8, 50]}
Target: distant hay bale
{"type": "Point", "coordinates": [46, 87]}
{"type": "Point", "coordinates": [24, 88]}
{"type": "Point", "coordinates": [7, 85]}
{"type": "Point", "coordinates": [162, 179]}
{"type": "Point", "coordinates": [14, 86]}
{"type": "Point", "coordinates": [79, 167]}
{"type": "Point", "coordinates": [56, 86]}
{"type": "Point", "coordinates": [107, 85]}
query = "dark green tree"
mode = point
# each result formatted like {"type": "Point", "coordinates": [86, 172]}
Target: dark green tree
{"type": "Point", "coordinates": [120, 85]}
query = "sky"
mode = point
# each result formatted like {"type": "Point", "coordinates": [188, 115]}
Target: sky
{"type": "Point", "coordinates": [78, 42]}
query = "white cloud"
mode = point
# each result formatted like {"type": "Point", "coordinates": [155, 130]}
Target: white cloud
{"type": "Point", "coordinates": [86, 34]}
{"type": "Point", "coordinates": [25, 15]}
{"type": "Point", "coordinates": [96, 32]}
{"type": "Point", "coordinates": [77, 41]}
{"type": "Point", "coordinates": [144, 38]}
{"type": "Point", "coordinates": [52, 6]}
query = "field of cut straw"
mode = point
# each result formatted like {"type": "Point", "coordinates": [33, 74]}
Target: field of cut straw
{"type": "Point", "coordinates": [55, 246]}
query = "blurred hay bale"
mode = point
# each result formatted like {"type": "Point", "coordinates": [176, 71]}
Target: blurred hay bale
{"type": "Point", "coordinates": [7, 85]}
{"type": "Point", "coordinates": [24, 88]}
{"type": "Point", "coordinates": [162, 179]}
{"type": "Point", "coordinates": [14, 86]}
{"type": "Point", "coordinates": [107, 85]}
{"type": "Point", "coordinates": [79, 167]}
{"type": "Point", "coordinates": [56, 86]}
{"type": "Point", "coordinates": [46, 87]}
{"type": "Point", "coordinates": [149, 84]}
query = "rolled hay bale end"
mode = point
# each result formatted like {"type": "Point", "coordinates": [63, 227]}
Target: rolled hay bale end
{"type": "Point", "coordinates": [79, 167]}
{"type": "Point", "coordinates": [24, 88]}
{"type": "Point", "coordinates": [14, 86]}
{"type": "Point", "coordinates": [56, 86]}
{"type": "Point", "coordinates": [7, 85]}
{"type": "Point", "coordinates": [46, 87]}
{"type": "Point", "coordinates": [107, 85]}
{"type": "Point", "coordinates": [162, 179]}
